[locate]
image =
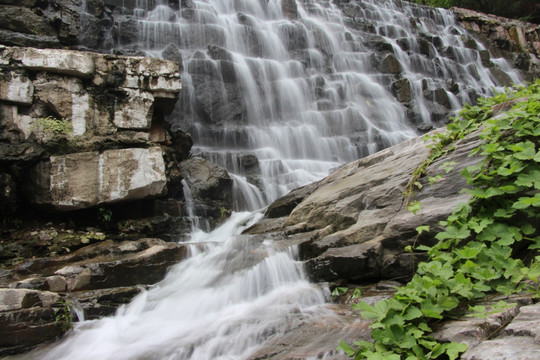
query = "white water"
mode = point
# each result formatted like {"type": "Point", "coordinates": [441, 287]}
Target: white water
{"type": "Point", "coordinates": [313, 95]}
{"type": "Point", "coordinates": [231, 294]}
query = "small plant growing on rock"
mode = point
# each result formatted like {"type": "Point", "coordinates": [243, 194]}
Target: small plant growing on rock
{"type": "Point", "coordinates": [222, 213]}
{"type": "Point", "coordinates": [52, 126]}
{"type": "Point", "coordinates": [105, 215]}
{"type": "Point", "coordinates": [64, 315]}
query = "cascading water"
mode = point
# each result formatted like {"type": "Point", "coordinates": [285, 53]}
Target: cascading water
{"type": "Point", "coordinates": [301, 87]}
{"type": "Point", "coordinates": [279, 93]}
{"type": "Point", "coordinates": [231, 294]}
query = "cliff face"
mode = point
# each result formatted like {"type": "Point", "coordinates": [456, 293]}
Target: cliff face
{"type": "Point", "coordinates": [87, 127]}
{"type": "Point", "coordinates": [515, 40]}
{"type": "Point", "coordinates": [40, 23]}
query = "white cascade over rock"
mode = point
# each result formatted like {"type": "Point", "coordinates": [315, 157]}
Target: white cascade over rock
{"type": "Point", "coordinates": [306, 86]}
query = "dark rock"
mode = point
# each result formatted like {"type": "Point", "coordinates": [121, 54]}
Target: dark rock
{"type": "Point", "coordinates": [440, 96]}
{"type": "Point", "coordinates": [391, 65]}
{"type": "Point", "coordinates": [8, 194]}
{"type": "Point", "coordinates": [355, 263]}
{"type": "Point", "coordinates": [404, 43]}
{"type": "Point", "coordinates": [172, 53]}
{"type": "Point", "coordinates": [23, 329]}
{"type": "Point", "coordinates": [13, 38]}
{"type": "Point", "coordinates": [182, 143]}
{"type": "Point", "coordinates": [402, 90]}
{"type": "Point", "coordinates": [426, 48]}
{"type": "Point", "coordinates": [219, 53]}
{"type": "Point", "coordinates": [500, 77]}
{"type": "Point", "coordinates": [471, 43]}
{"type": "Point", "coordinates": [285, 204]}
{"type": "Point", "coordinates": [90, 31]}
{"type": "Point", "coordinates": [127, 30]}
{"type": "Point", "coordinates": [104, 302]}
{"type": "Point", "coordinates": [380, 44]}
{"type": "Point", "coordinates": [207, 181]}
{"type": "Point", "coordinates": [295, 36]}
{"type": "Point", "coordinates": [24, 20]}
{"type": "Point", "coordinates": [216, 102]}
{"type": "Point", "coordinates": [486, 58]}
{"type": "Point", "coordinates": [249, 161]}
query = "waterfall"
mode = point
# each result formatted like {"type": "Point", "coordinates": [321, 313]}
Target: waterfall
{"type": "Point", "coordinates": [305, 86]}
{"type": "Point", "coordinates": [279, 93]}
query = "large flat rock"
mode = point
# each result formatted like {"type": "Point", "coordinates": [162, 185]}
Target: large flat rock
{"type": "Point", "coordinates": [356, 219]}
{"type": "Point", "coordinates": [82, 180]}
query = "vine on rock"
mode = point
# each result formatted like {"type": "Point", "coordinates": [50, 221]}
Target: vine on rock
{"type": "Point", "coordinates": [489, 245]}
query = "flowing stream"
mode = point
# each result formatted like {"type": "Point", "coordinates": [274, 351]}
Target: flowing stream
{"type": "Point", "coordinates": [279, 93]}
{"type": "Point", "coordinates": [231, 294]}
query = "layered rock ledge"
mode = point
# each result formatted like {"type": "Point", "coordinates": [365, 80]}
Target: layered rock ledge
{"type": "Point", "coordinates": [85, 125]}
{"type": "Point", "coordinates": [93, 281]}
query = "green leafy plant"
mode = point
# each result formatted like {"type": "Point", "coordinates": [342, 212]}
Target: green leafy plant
{"type": "Point", "coordinates": [64, 315]}
{"type": "Point", "coordinates": [338, 291]}
{"type": "Point", "coordinates": [56, 127]}
{"type": "Point", "coordinates": [105, 215]}
{"type": "Point", "coordinates": [489, 245]}
{"type": "Point", "coordinates": [222, 212]}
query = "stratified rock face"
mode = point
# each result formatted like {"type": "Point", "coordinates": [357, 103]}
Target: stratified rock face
{"type": "Point", "coordinates": [93, 114]}
{"type": "Point", "coordinates": [121, 95]}
{"type": "Point", "coordinates": [207, 180]}
{"type": "Point", "coordinates": [354, 224]}
{"type": "Point", "coordinates": [47, 24]}
{"type": "Point", "coordinates": [516, 40]}
{"type": "Point", "coordinates": [86, 179]}
{"type": "Point", "coordinates": [98, 277]}
{"type": "Point", "coordinates": [74, 63]}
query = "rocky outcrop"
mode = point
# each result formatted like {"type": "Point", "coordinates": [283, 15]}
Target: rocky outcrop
{"type": "Point", "coordinates": [210, 186]}
{"type": "Point", "coordinates": [84, 143]}
{"type": "Point", "coordinates": [44, 24]}
{"type": "Point", "coordinates": [353, 225]}
{"type": "Point", "coordinates": [511, 333]}
{"type": "Point", "coordinates": [39, 298]}
{"type": "Point", "coordinates": [516, 40]}
{"type": "Point", "coordinates": [86, 179]}
{"type": "Point", "coordinates": [65, 114]}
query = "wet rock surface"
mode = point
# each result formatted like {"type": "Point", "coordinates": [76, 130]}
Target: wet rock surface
{"type": "Point", "coordinates": [44, 24]}
{"type": "Point", "coordinates": [210, 186]}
